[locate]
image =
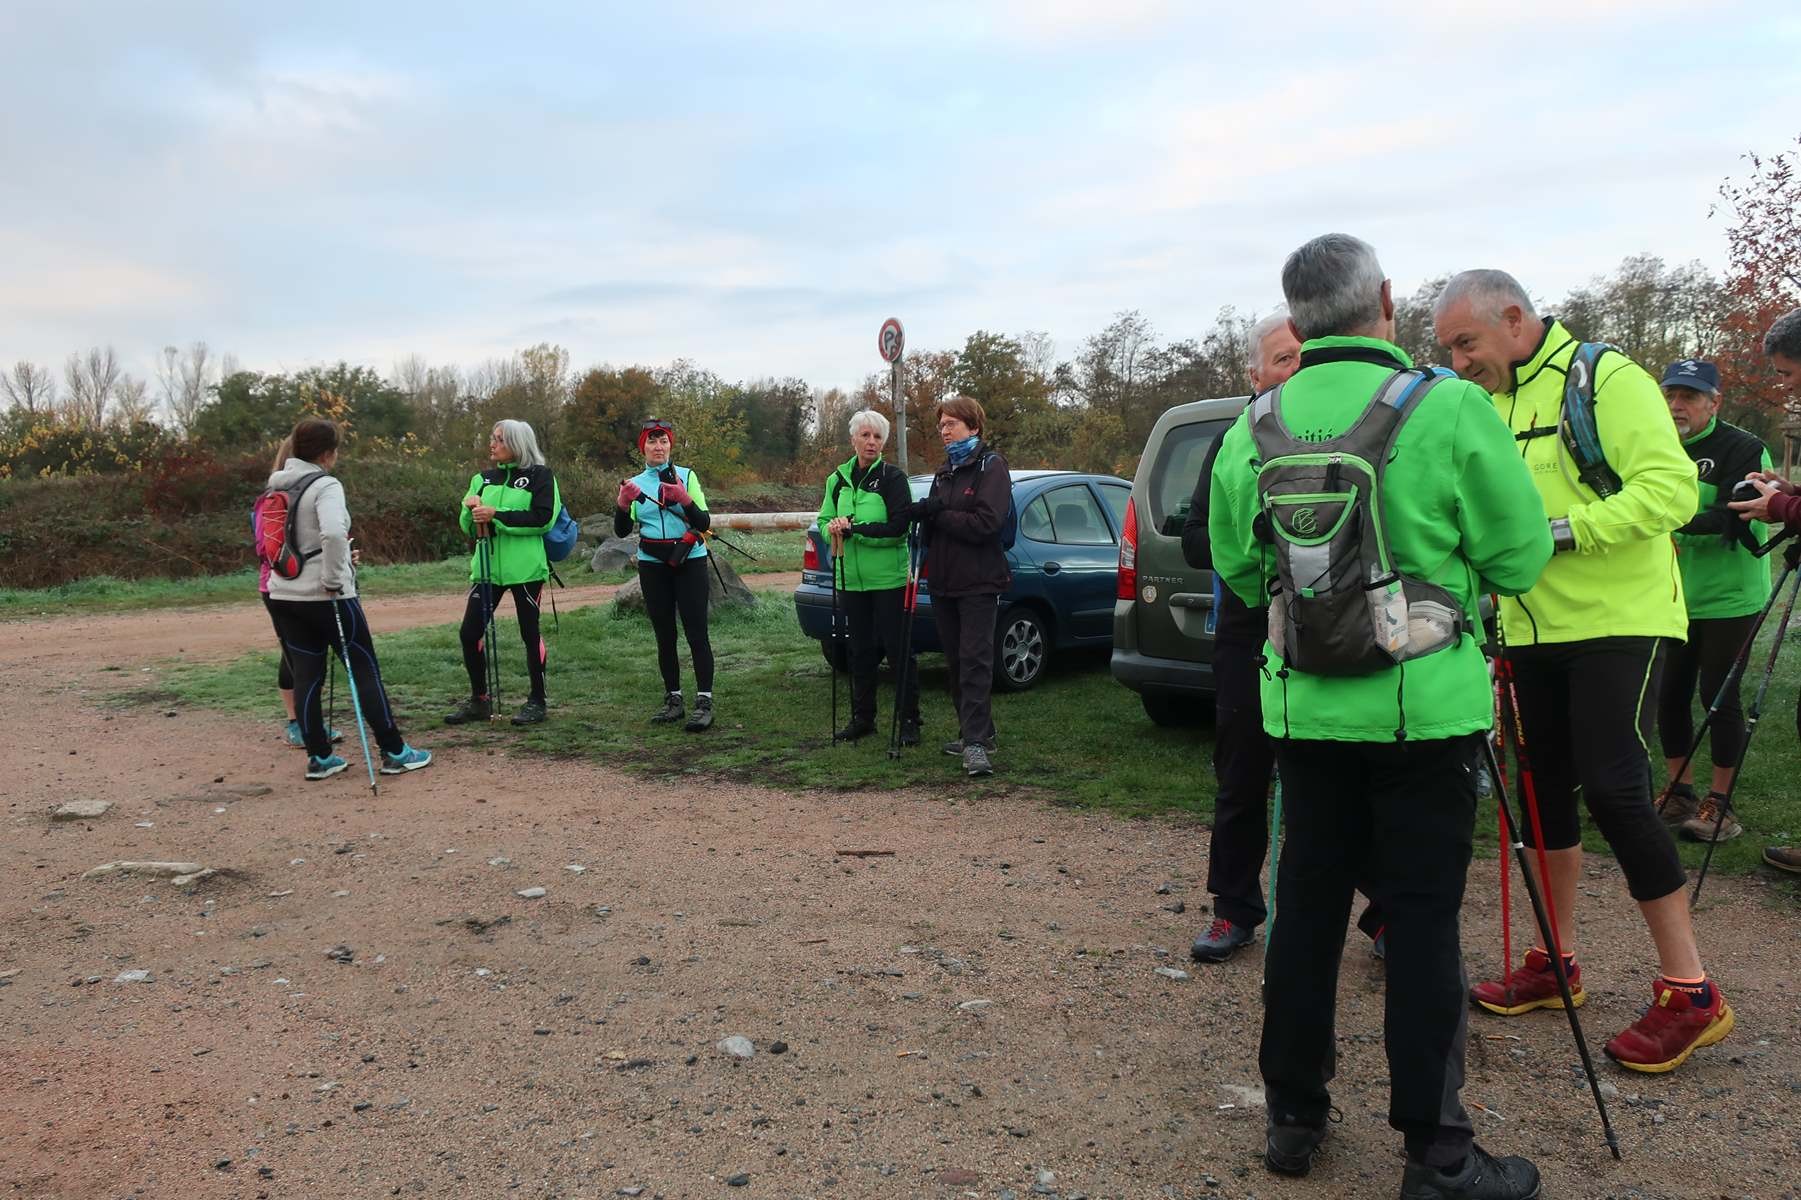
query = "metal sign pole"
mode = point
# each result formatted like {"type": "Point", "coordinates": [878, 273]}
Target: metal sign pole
{"type": "Point", "coordinates": [900, 413]}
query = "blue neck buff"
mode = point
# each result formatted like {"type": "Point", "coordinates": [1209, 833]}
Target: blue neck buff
{"type": "Point", "coordinates": [959, 451]}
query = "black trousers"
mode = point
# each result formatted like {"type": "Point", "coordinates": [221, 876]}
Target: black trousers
{"type": "Point", "coordinates": [679, 591]}
{"type": "Point", "coordinates": [966, 631]}
{"type": "Point", "coordinates": [876, 620]}
{"type": "Point", "coordinates": [1396, 819]}
{"type": "Point", "coordinates": [309, 633]}
{"type": "Point", "coordinates": [1586, 708]}
{"type": "Point", "coordinates": [1243, 758]}
{"type": "Point", "coordinates": [284, 673]}
{"type": "Point", "coordinates": [1712, 648]}
{"type": "Point", "coordinates": [483, 599]}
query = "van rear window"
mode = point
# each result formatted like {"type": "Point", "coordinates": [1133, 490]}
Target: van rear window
{"type": "Point", "coordinates": [1177, 468]}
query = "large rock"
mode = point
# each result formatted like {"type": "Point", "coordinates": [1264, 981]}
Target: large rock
{"type": "Point", "coordinates": [81, 810]}
{"type": "Point", "coordinates": [613, 554]}
{"type": "Point", "coordinates": [723, 588]}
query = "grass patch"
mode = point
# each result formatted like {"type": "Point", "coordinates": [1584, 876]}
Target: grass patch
{"type": "Point", "coordinates": [101, 594]}
{"type": "Point", "coordinates": [1078, 739]}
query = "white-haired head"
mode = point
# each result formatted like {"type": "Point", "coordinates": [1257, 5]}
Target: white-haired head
{"type": "Point", "coordinates": [1335, 288]}
{"type": "Point", "coordinates": [869, 418]}
{"type": "Point", "coordinates": [521, 443]}
{"type": "Point", "coordinates": [1490, 293]}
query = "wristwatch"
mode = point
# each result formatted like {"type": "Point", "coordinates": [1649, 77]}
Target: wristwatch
{"type": "Point", "coordinates": [1562, 537]}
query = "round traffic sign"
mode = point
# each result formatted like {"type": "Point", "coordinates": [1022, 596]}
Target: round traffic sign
{"type": "Point", "coordinates": [892, 340]}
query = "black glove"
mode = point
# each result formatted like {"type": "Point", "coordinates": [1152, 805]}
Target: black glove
{"type": "Point", "coordinates": [928, 508]}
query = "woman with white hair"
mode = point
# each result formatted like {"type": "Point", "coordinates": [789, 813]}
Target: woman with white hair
{"type": "Point", "coordinates": [508, 509]}
{"type": "Point", "coordinates": [866, 509]}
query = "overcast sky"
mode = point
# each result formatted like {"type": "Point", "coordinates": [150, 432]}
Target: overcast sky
{"type": "Point", "coordinates": [755, 186]}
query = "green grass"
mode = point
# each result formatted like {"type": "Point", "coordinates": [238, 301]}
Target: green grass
{"type": "Point", "coordinates": [100, 594]}
{"type": "Point", "coordinates": [1078, 739]}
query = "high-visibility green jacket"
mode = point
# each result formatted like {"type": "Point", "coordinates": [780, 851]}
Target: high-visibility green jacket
{"type": "Point", "coordinates": [1720, 576]}
{"type": "Point", "coordinates": [1458, 511]}
{"type": "Point", "coordinates": [1621, 580]}
{"type": "Point", "coordinates": [878, 503]}
{"type": "Point", "coordinates": [525, 500]}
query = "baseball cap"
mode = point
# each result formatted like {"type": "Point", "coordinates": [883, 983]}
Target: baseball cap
{"type": "Point", "coordinates": [1695, 373]}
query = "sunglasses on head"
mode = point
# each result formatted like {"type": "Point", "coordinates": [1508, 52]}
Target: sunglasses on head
{"type": "Point", "coordinates": [657, 425]}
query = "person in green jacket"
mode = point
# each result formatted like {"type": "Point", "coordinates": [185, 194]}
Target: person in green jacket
{"type": "Point", "coordinates": [1725, 586]}
{"type": "Point", "coordinates": [1582, 648]}
{"type": "Point", "coordinates": [1378, 762]}
{"type": "Point", "coordinates": [508, 509]}
{"type": "Point", "coordinates": [866, 510]}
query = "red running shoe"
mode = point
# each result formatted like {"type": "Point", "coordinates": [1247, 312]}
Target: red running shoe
{"type": "Point", "coordinates": [1534, 985]}
{"type": "Point", "coordinates": [1673, 1028]}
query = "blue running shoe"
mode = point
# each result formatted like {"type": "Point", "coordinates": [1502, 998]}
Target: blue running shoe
{"type": "Point", "coordinates": [295, 737]}
{"type": "Point", "coordinates": [324, 768]}
{"type": "Point", "coordinates": [408, 759]}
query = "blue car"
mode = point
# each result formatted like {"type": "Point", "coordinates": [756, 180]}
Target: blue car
{"type": "Point", "coordinates": [1065, 564]}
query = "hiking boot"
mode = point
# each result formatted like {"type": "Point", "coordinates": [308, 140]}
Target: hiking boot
{"type": "Point", "coordinates": [909, 733]}
{"type": "Point", "coordinates": [975, 760]}
{"type": "Point", "coordinates": [408, 759]}
{"type": "Point", "coordinates": [1699, 828]}
{"type": "Point", "coordinates": [1678, 805]}
{"type": "Point", "coordinates": [530, 713]}
{"type": "Point", "coordinates": [1783, 858]}
{"type": "Point", "coordinates": [1534, 985]}
{"type": "Point", "coordinates": [1482, 1177]}
{"type": "Point", "coordinates": [702, 720]}
{"type": "Point", "coordinates": [858, 727]}
{"type": "Point", "coordinates": [953, 748]}
{"type": "Point", "coordinates": [1673, 1028]}
{"type": "Point", "coordinates": [1290, 1146]}
{"type": "Point", "coordinates": [472, 709]}
{"type": "Point", "coordinates": [324, 768]}
{"type": "Point", "coordinates": [1221, 940]}
{"type": "Point", "coordinates": [671, 711]}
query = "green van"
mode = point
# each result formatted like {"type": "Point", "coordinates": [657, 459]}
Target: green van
{"type": "Point", "coordinates": [1163, 608]}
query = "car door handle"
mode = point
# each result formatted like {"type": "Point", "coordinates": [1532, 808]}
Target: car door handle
{"type": "Point", "coordinates": [1192, 600]}
{"type": "Point", "coordinates": [1051, 568]}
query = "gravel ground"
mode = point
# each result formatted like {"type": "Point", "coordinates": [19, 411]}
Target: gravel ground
{"type": "Point", "coordinates": [362, 1002]}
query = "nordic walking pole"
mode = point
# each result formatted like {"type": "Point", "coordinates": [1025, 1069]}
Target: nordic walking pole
{"type": "Point", "coordinates": [909, 606]}
{"type": "Point", "coordinates": [356, 703]}
{"type": "Point", "coordinates": [837, 551]}
{"type": "Point", "coordinates": [1275, 860]}
{"type": "Point", "coordinates": [490, 659]}
{"type": "Point", "coordinates": [1755, 712]}
{"type": "Point", "coordinates": [1733, 675]}
{"type": "Point", "coordinates": [1546, 928]}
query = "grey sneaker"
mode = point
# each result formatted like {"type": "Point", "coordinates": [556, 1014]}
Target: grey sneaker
{"type": "Point", "coordinates": [954, 748]}
{"type": "Point", "coordinates": [530, 713]}
{"type": "Point", "coordinates": [469, 710]}
{"type": "Point", "coordinates": [1483, 1177]}
{"type": "Point", "coordinates": [671, 710]}
{"type": "Point", "coordinates": [975, 760]}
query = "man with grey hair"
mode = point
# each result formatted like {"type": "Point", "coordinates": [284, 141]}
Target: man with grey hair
{"type": "Point", "coordinates": [1378, 719]}
{"type": "Point", "coordinates": [1243, 756]}
{"type": "Point", "coordinates": [1582, 647]}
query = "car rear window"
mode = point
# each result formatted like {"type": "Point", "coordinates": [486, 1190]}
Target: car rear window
{"type": "Point", "coordinates": [1175, 471]}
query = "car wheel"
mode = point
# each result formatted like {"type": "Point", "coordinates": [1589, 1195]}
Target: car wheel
{"type": "Point", "coordinates": [1174, 712]}
{"type": "Point", "coordinates": [1022, 647]}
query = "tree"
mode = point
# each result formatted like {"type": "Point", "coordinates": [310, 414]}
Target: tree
{"type": "Point", "coordinates": [90, 381]}
{"type": "Point", "coordinates": [436, 397]}
{"type": "Point", "coordinates": [247, 411]}
{"type": "Point", "coordinates": [131, 402]}
{"type": "Point", "coordinates": [606, 409]}
{"type": "Point", "coordinates": [184, 381]}
{"type": "Point", "coordinates": [1656, 314]}
{"type": "Point", "coordinates": [1763, 281]}
{"type": "Point", "coordinates": [29, 388]}
{"type": "Point", "coordinates": [1109, 373]}
{"type": "Point", "coordinates": [992, 369]}
{"type": "Point", "coordinates": [1413, 322]}
{"type": "Point", "coordinates": [709, 436]}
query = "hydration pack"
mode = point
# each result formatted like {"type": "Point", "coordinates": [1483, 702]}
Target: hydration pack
{"type": "Point", "coordinates": [274, 527]}
{"type": "Point", "coordinates": [561, 539]}
{"type": "Point", "coordinates": [1577, 427]}
{"type": "Point", "coordinates": [1339, 606]}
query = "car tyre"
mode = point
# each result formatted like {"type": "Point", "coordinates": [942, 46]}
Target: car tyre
{"type": "Point", "coordinates": [1022, 649]}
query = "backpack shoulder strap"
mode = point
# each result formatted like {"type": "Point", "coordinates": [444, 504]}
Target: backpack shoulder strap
{"type": "Point", "coordinates": [1581, 436]}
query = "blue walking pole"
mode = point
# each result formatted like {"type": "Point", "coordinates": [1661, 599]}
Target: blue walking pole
{"type": "Point", "coordinates": [356, 703]}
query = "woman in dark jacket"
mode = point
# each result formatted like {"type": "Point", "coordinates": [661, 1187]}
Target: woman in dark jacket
{"type": "Point", "coordinates": [962, 516]}
{"type": "Point", "coordinates": [866, 510]}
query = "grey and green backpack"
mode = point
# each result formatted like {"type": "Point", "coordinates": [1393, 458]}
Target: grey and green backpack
{"type": "Point", "coordinates": [1339, 605]}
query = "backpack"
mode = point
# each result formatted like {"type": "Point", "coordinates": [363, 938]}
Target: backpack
{"type": "Point", "coordinates": [1009, 531]}
{"type": "Point", "coordinates": [1339, 605]}
{"type": "Point", "coordinates": [274, 517]}
{"type": "Point", "coordinates": [1577, 428]}
{"type": "Point", "coordinates": [560, 541]}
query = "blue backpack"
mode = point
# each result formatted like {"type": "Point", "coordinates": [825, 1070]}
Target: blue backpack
{"type": "Point", "coordinates": [1009, 531]}
{"type": "Point", "coordinates": [560, 541]}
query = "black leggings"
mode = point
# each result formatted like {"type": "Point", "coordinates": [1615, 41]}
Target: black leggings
{"type": "Point", "coordinates": [284, 674]}
{"type": "Point", "coordinates": [669, 591]}
{"type": "Point", "coordinates": [483, 599]}
{"type": "Point", "coordinates": [309, 633]}
{"type": "Point", "coordinates": [1710, 651]}
{"type": "Point", "coordinates": [1586, 707]}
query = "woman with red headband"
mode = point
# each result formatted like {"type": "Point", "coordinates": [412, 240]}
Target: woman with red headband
{"type": "Point", "coordinates": [665, 504]}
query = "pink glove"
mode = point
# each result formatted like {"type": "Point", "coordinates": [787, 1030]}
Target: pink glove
{"type": "Point", "coordinates": [628, 492]}
{"type": "Point", "coordinates": [675, 493]}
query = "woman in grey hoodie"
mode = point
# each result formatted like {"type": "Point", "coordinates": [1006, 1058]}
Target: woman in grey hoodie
{"type": "Point", "coordinates": [303, 607]}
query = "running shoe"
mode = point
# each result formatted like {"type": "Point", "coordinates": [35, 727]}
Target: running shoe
{"type": "Point", "coordinates": [324, 768]}
{"type": "Point", "coordinates": [1673, 1028]}
{"type": "Point", "coordinates": [408, 759]}
{"type": "Point", "coordinates": [1534, 985]}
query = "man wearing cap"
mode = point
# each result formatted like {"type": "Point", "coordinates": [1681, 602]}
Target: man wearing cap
{"type": "Point", "coordinates": [1725, 587]}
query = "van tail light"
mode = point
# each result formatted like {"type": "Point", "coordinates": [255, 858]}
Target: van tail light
{"type": "Point", "coordinates": [809, 558]}
{"type": "Point", "coordinates": [1128, 554]}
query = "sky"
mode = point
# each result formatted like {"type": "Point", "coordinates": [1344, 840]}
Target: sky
{"type": "Point", "coordinates": [756, 186]}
